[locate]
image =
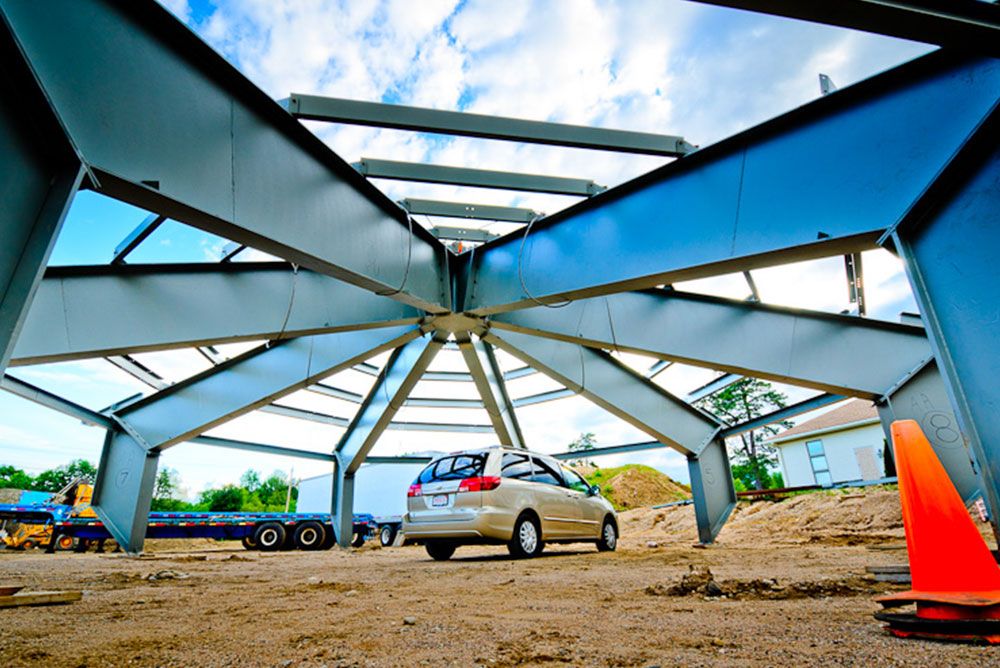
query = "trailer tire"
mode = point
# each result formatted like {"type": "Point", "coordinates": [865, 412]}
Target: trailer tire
{"type": "Point", "coordinates": [331, 538]}
{"type": "Point", "coordinates": [310, 536]}
{"type": "Point", "coordinates": [248, 543]}
{"type": "Point", "coordinates": [386, 535]}
{"type": "Point", "coordinates": [269, 537]}
{"type": "Point", "coordinates": [65, 543]}
{"type": "Point", "coordinates": [357, 540]}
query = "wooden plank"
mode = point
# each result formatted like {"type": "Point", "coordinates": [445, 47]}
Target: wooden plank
{"type": "Point", "coordinates": [40, 598]}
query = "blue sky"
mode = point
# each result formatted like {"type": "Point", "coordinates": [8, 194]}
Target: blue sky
{"type": "Point", "coordinates": [652, 65]}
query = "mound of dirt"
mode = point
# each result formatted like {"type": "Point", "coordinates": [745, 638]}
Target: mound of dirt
{"type": "Point", "coordinates": [830, 518]}
{"type": "Point", "coordinates": [700, 581]}
{"type": "Point", "coordinates": [9, 495]}
{"type": "Point", "coordinates": [637, 486]}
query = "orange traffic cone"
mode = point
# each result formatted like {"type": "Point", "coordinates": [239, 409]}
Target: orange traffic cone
{"type": "Point", "coordinates": [956, 581]}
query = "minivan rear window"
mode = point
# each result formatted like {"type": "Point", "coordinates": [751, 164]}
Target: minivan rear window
{"type": "Point", "coordinates": [458, 467]}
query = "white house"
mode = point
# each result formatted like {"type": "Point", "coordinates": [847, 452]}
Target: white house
{"type": "Point", "coordinates": [845, 444]}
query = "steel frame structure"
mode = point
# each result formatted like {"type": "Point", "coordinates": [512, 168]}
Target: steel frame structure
{"type": "Point", "coordinates": [359, 277]}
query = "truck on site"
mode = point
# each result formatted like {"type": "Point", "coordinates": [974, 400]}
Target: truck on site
{"type": "Point", "coordinates": [68, 522]}
{"type": "Point", "coordinates": [379, 493]}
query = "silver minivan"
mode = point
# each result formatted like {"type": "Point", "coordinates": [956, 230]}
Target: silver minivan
{"type": "Point", "coordinates": [502, 495]}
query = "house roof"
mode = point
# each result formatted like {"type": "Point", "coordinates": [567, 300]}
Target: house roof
{"type": "Point", "coordinates": [850, 412]}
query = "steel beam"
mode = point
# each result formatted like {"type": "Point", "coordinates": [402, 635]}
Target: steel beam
{"type": "Point", "coordinates": [55, 402]}
{"type": "Point", "coordinates": [923, 397]}
{"type": "Point", "coordinates": [711, 387]}
{"type": "Point", "coordinates": [949, 251]}
{"type": "Point", "coordinates": [477, 178]}
{"type": "Point", "coordinates": [780, 414]}
{"type": "Point", "coordinates": [462, 234]}
{"type": "Point", "coordinates": [615, 388]}
{"type": "Point", "coordinates": [250, 381]}
{"type": "Point", "coordinates": [137, 120]}
{"type": "Point", "coordinates": [750, 201]}
{"type": "Point", "coordinates": [174, 306]}
{"type": "Point", "coordinates": [136, 237]}
{"type": "Point", "coordinates": [431, 207]}
{"type": "Point", "coordinates": [356, 112]}
{"type": "Point", "coordinates": [39, 175]}
{"type": "Point", "coordinates": [712, 489]}
{"type": "Point", "coordinates": [610, 450]}
{"type": "Point", "coordinates": [185, 410]}
{"type": "Point", "coordinates": [401, 373]}
{"type": "Point", "coordinates": [967, 25]}
{"type": "Point", "coordinates": [123, 491]}
{"type": "Point", "coordinates": [829, 352]}
{"type": "Point", "coordinates": [246, 446]}
{"type": "Point", "coordinates": [542, 397]}
{"type": "Point", "coordinates": [488, 377]}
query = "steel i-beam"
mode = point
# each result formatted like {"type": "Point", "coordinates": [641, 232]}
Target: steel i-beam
{"type": "Point", "coordinates": [966, 25]}
{"type": "Point", "coordinates": [828, 352]}
{"type": "Point", "coordinates": [401, 373]}
{"type": "Point", "coordinates": [464, 124]}
{"type": "Point", "coordinates": [189, 408]}
{"type": "Point", "coordinates": [175, 306]}
{"type": "Point", "coordinates": [949, 249]}
{"type": "Point", "coordinates": [261, 178]}
{"type": "Point", "coordinates": [39, 175]}
{"type": "Point", "coordinates": [640, 402]}
{"type": "Point", "coordinates": [488, 377]}
{"type": "Point", "coordinates": [749, 201]}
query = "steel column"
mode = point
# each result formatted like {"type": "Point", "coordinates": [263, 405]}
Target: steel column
{"type": "Point", "coordinates": [140, 94]}
{"type": "Point", "coordinates": [924, 398]}
{"type": "Point", "coordinates": [405, 367]}
{"type": "Point", "coordinates": [123, 492]}
{"type": "Point", "coordinates": [39, 174]}
{"type": "Point", "coordinates": [342, 503]}
{"type": "Point", "coordinates": [488, 377]}
{"type": "Point", "coordinates": [829, 352]}
{"type": "Point", "coordinates": [712, 489]}
{"type": "Point", "coordinates": [160, 307]}
{"type": "Point", "coordinates": [615, 388]}
{"type": "Point", "coordinates": [750, 201]}
{"type": "Point", "coordinates": [950, 258]}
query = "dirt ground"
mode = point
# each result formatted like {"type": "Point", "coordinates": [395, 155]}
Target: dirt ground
{"type": "Point", "coordinates": [784, 596]}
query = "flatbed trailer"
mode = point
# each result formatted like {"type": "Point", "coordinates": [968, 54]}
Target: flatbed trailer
{"type": "Point", "coordinates": [261, 531]}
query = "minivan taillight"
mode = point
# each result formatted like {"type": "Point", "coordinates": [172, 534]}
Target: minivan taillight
{"type": "Point", "coordinates": [415, 490]}
{"type": "Point", "coordinates": [479, 484]}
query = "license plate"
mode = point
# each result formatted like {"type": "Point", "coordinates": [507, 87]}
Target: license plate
{"type": "Point", "coordinates": [439, 500]}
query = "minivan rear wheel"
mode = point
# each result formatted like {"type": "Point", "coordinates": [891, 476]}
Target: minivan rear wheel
{"type": "Point", "coordinates": [609, 536]}
{"type": "Point", "coordinates": [440, 550]}
{"type": "Point", "coordinates": [527, 539]}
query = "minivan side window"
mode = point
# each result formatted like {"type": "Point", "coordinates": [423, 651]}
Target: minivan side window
{"type": "Point", "coordinates": [515, 465]}
{"type": "Point", "coordinates": [574, 480]}
{"type": "Point", "coordinates": [546, 473]}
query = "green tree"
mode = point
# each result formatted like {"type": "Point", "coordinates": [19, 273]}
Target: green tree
{"type": "Point", "coordinates": [14, 478]}
{"type": "Point", "coordinates": [582, 444]}
{"type": "Point", "coordinates": [167, 490]}
{"type": "Point", "coordinates": [744, 400]}
{"type": "Point", "coordinates": [55, 479]}
{"type": "Point", "coordinates": [228, 498]}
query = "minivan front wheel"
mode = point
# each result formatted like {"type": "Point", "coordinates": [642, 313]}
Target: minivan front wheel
{"type": "Point", "coordinates": [440, 550]}
{"type": "Point", "coordinates": [609, 536]}
{"type": "Point", "coordinates": [527, 539]}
